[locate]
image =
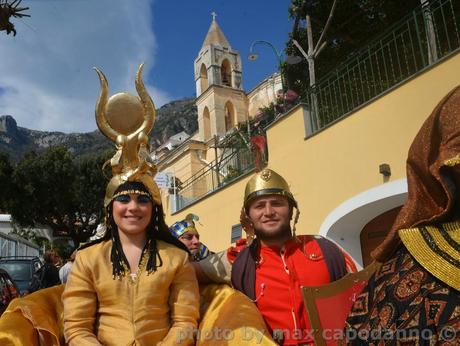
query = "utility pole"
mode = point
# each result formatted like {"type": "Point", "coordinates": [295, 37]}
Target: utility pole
{"type": "Point", "coordinates": [313, 52]}
{"type": "Point", "coordinates": [430, 32]}
{"type": "Point", "coordinates": [216, 142]}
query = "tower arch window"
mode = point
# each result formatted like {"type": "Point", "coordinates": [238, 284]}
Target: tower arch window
{"type": "Point", "coordinates": [229, 116]}
{"type": "Point", "coordinates": [226, 73]}
{"type": "Point", "coordinates": [206, 124]}
{"type": "Point", "coordinates": [204, 83]}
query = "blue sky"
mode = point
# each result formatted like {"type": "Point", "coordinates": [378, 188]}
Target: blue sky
{"type": "Point", "coordinates": [181, 29]}
{"type": "Point", "coordinates": [47, 80]}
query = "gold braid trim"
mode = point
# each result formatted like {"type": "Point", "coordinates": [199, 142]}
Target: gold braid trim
{"type": "Point", "coordinates": [140, 267]}
{"type": "Point", "coordinates": [453, 161]}
{"type": "Point", "coordinates": [436, 249]}
{"type": "Point", "coordinates": [134, 192]}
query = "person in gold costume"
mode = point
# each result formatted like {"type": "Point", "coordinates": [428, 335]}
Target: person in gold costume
{"type": "Point", "coordinates": [414, 298]}
{"type": "Point", "coordinates": [135, 285]}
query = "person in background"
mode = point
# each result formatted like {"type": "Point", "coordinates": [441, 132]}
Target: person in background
{"type": "Point", "coordinates": [64, 271]}
{"type": "Point", "coordinates": [47, 275]}
{"type": "Point", "coordinates": [51, 275]}
{"type": "Point", "coordinates": [58, 263]}
{"type": "Point", "coordinates": [187, 233]}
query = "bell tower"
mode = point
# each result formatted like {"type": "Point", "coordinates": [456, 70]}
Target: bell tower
{"type": "Point", "coordinates": [221, 101]}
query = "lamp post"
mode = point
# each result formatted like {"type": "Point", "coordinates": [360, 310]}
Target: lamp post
{"type": "Point", "coordinates": [254, 56]}
{"type": "Point", "coordinates": [289, 60]}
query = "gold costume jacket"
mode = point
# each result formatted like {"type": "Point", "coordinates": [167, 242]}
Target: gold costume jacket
{"type": "Point", "coordinates": [161, 308]}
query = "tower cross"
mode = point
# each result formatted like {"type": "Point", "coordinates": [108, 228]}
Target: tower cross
{"type": "Point", "coordinates": [214, 15]}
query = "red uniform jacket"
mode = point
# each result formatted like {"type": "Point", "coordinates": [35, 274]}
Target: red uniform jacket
{"type": "Point", "coordinates": [272, 277]}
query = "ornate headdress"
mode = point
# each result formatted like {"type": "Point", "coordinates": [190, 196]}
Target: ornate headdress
{"type": "Point", "coordinates": [267, 182]}
{"type": "Point", "coordinates": [432, 195]}
{"type": "Point", "coordinates": [127, 120]}
{"type": "Point", "coordinates": [187, 225]}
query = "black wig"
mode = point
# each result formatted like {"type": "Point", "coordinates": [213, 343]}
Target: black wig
{"type": "Point", "coordinates": [156, 230]}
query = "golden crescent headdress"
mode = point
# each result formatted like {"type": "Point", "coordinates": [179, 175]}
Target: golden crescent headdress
{"type": "Point", "coordinates": [127, 121]}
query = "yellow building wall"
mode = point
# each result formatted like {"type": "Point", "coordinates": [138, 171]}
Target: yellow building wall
{"type": "Point", "coordinates": [182, 167]}
{"type": "Point", "coordinates": [186, 164]}
{"type": "Point", "coordinates": [337, 163]}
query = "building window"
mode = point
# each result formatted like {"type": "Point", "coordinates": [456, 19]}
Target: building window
{"type": "Point", "coordinates": [236, 233]}
{"type": "Point", "coordinates": [229, 116]}
{"type": "Point", "coordinates": [204, 83]}
{"type": "Point", "coordinates": [226, 73]}
{"type": "Point", "coordinates": [206, 124]}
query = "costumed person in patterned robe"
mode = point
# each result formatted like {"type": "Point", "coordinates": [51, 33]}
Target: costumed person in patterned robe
{"type": "Point", "coordinates": [271, 265]}
{"type": "Point", "coordinates": [414, 298]}
{"type": "Point", "coordinates": [187, 233]}
{"type": "Point", "coordinates": [135, 285]}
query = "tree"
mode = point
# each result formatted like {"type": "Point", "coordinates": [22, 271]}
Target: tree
{"type": "Point", "coordinates": [42, 186]}
{"type": "Point", "coordinates": [50, 189]}
{"type": "Point", "coordinates": [89, 188]}
{"type": "Point", "coordinates": [32, 236]}
{"type": "Point", "coordinates": [8, 10]}
{"type": "Point", "coordinates": [6, 171]}
{"type": "Point", "coordinates": [354, 24]}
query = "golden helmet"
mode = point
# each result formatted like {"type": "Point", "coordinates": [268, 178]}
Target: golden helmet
{"type": "Point", "coordinates": [267, 182]}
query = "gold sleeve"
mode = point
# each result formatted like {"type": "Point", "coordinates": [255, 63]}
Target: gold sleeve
{"type": "Point", "coordinates": [184, 303]}
{"type": "Point", "coordinates": [80, 303]}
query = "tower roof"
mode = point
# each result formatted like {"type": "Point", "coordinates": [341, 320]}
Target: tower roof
{"type": "Point", "coordinates": [215, 35]}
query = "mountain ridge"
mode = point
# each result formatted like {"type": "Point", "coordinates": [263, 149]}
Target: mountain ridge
{"type": "Point", "coordinates": [173, 117]}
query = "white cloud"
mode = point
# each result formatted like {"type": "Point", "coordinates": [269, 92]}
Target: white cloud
{"type": "Point", "coordinates": [47, 80]}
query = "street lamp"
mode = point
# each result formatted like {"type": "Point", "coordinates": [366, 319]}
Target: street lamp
{"type": "Point", "coordinates": [289, 59]}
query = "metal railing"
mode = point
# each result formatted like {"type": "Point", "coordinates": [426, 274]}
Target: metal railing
{"type": "Point", "coordinates": [428, 34]}
{"type": "Point", "coordinates": [419, 40]}
{"type": "Point", "coordinates": [222, 171]}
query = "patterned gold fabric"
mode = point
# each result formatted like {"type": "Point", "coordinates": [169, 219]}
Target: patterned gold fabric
{"type": "Point", "coordinates": [403, 304]}
{"type": "Point", "coordinates": [414, 299]}
{"type": "Point", "coordinates": [157, 309]}
{"type": "Point", "coordinates": [437, 249]}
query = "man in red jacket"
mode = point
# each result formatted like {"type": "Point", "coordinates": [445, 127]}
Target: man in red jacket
{"type": "Point", "coordinates": [273, 263]}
